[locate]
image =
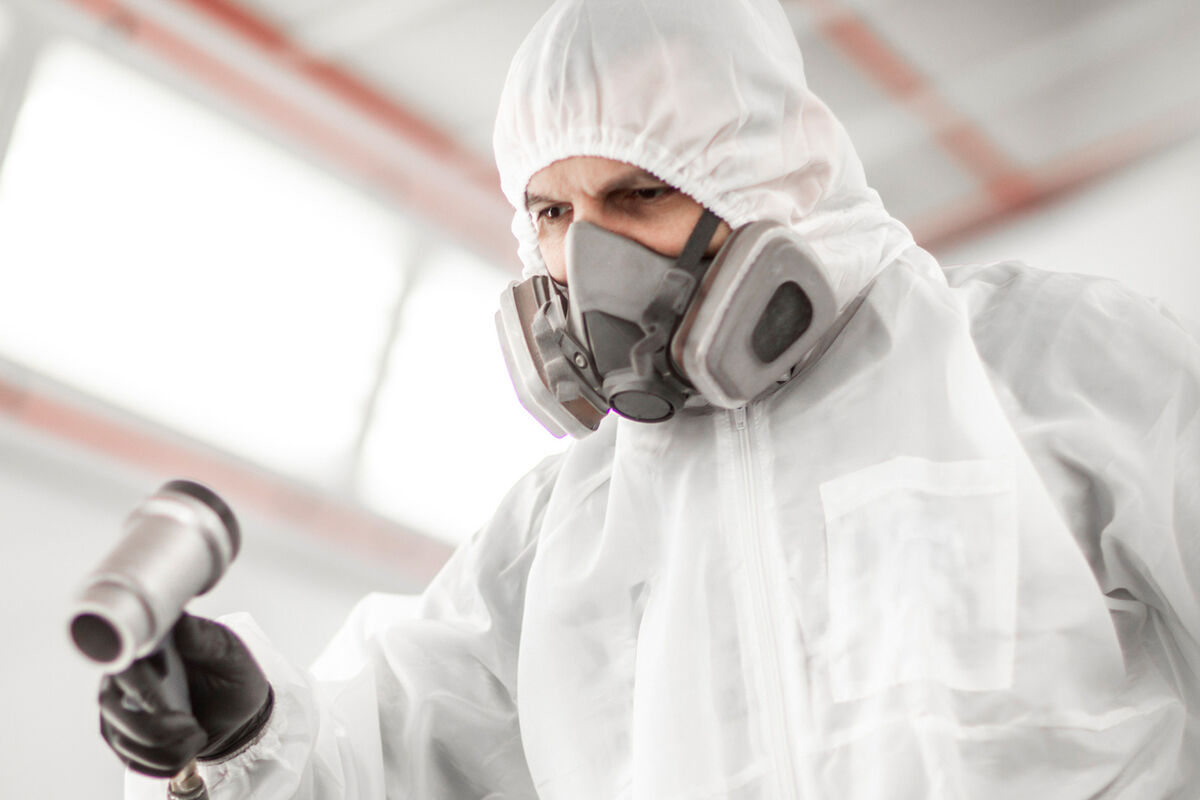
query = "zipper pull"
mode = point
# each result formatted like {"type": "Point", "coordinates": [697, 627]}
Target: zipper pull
{"type": "Point", "coordinates": [739, 418]}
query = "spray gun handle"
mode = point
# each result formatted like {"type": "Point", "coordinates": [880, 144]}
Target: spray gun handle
{"type": "Point", "coordinates": [168, 666]}
{"type": "Point", "coordinates": [166, 661]}
{"type": "Point", "coordinates": [175, 688]}
{"type": "Point", "coordinates": [187, 784]}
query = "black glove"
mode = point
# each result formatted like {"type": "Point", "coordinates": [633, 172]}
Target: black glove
{"type": "Point", "coordinates": [154, 731]}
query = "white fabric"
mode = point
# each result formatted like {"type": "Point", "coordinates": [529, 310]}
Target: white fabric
{"type": "Point", "coordinates": [957, 558]}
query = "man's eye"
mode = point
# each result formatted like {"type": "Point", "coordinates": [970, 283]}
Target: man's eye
{"type": "Point", "coordinates": [651, 192]}
{"type": "Point", "coordinates": [551, 213]}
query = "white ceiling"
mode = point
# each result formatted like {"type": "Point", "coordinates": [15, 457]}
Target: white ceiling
{"type": "Point", "coordinates": [961, 111]}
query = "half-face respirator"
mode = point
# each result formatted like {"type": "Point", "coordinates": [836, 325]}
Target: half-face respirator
{"type": "Point", "coordinates": [639, 333]}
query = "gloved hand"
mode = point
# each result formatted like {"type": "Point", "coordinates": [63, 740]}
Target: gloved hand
{"type": "Point", "coordinates": [231, 701]}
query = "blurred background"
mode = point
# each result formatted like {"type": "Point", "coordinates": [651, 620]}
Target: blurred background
{"type": "Point", "coordinates": [259, 243]}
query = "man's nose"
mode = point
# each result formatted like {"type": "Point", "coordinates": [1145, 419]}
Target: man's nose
{"type": "Point", "coordinates": [588, 211]}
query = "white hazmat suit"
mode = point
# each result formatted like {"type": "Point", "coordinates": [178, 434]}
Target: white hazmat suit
{"type": "Point", "coordinates": [957, 558]}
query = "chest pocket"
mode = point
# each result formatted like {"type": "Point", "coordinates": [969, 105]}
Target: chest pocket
{"type": "Point", "coordinates": [922, 575]}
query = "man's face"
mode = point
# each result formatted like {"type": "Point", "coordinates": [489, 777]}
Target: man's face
{"type": "Point", "coordinates": [613, 195]}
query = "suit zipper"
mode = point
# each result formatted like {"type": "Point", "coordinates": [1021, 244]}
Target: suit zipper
{"type": "Point", "coordinates": [770, 671]}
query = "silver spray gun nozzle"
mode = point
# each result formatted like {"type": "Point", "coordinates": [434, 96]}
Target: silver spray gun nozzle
{"type": "Point", "coordinates": [176, 544]}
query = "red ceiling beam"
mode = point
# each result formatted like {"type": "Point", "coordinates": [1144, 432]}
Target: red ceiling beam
{"type": "Point", "coordinates": [438, 180]}
{"type": "Point", "coordinates": [1006, 186]}
{"type": "Point", "coordinates": [960, 136]}
{"type": "Point", "coordinates": [267, 39]}
{"type": "Point", "coordinates": [947, 226]}
{"type": "Point", "coordinates": [415, 556]}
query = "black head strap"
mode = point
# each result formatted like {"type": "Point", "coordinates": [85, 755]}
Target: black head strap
{"type": "Point", "coordinates": [698, 242]}
{"type": "Point", "coordinates": [674, 292]}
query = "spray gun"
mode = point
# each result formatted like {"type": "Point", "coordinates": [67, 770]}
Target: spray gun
{"type": "Point", "coordinates": [176, 545]}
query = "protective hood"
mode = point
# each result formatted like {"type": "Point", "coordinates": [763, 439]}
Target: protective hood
{"type": "Point", "coordinates": [672, 88]}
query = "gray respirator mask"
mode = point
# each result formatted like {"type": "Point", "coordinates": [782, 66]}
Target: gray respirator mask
{"type": "Point", "coordinates": [640, 333]}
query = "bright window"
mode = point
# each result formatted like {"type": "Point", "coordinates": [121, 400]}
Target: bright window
{"type": "Point", "coordinates": [160, 257]}
{"type": "Point", "coordinates": [451, 437]}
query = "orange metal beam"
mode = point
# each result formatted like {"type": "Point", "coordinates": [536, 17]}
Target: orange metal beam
{"type": "Point", "coordinates": [1006, 186]}
{"type": "Point", "coordinates": [1005, 182]}
{"type": "Point", "coordinates": [413, 555]}
{"type": "Point", "coordinates": [262, 35]}
{"type": "Point", "coordinates": [949, 225]}
{"type": "Point", "coordinates": [442, 182]}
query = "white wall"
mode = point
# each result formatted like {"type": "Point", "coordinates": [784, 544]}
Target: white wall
{"type": "Point", "coordinates": [61, 508]}
{"type": "Point", "coordinates": [1140, 225]}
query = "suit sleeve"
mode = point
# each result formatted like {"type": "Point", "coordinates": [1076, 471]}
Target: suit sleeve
{"type": "Point", "coordinates": [415, 697]}
{"type": "Point", "coordinates": [1103, 387]}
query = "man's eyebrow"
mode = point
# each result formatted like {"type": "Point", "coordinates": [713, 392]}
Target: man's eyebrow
{"type": "Point", "coordinates": [537, 199]}
{"type": "Point", "coordinates": [635, 178]}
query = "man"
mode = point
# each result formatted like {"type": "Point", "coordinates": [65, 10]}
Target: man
{"type": "Point", "coordinates": [952, 555]}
